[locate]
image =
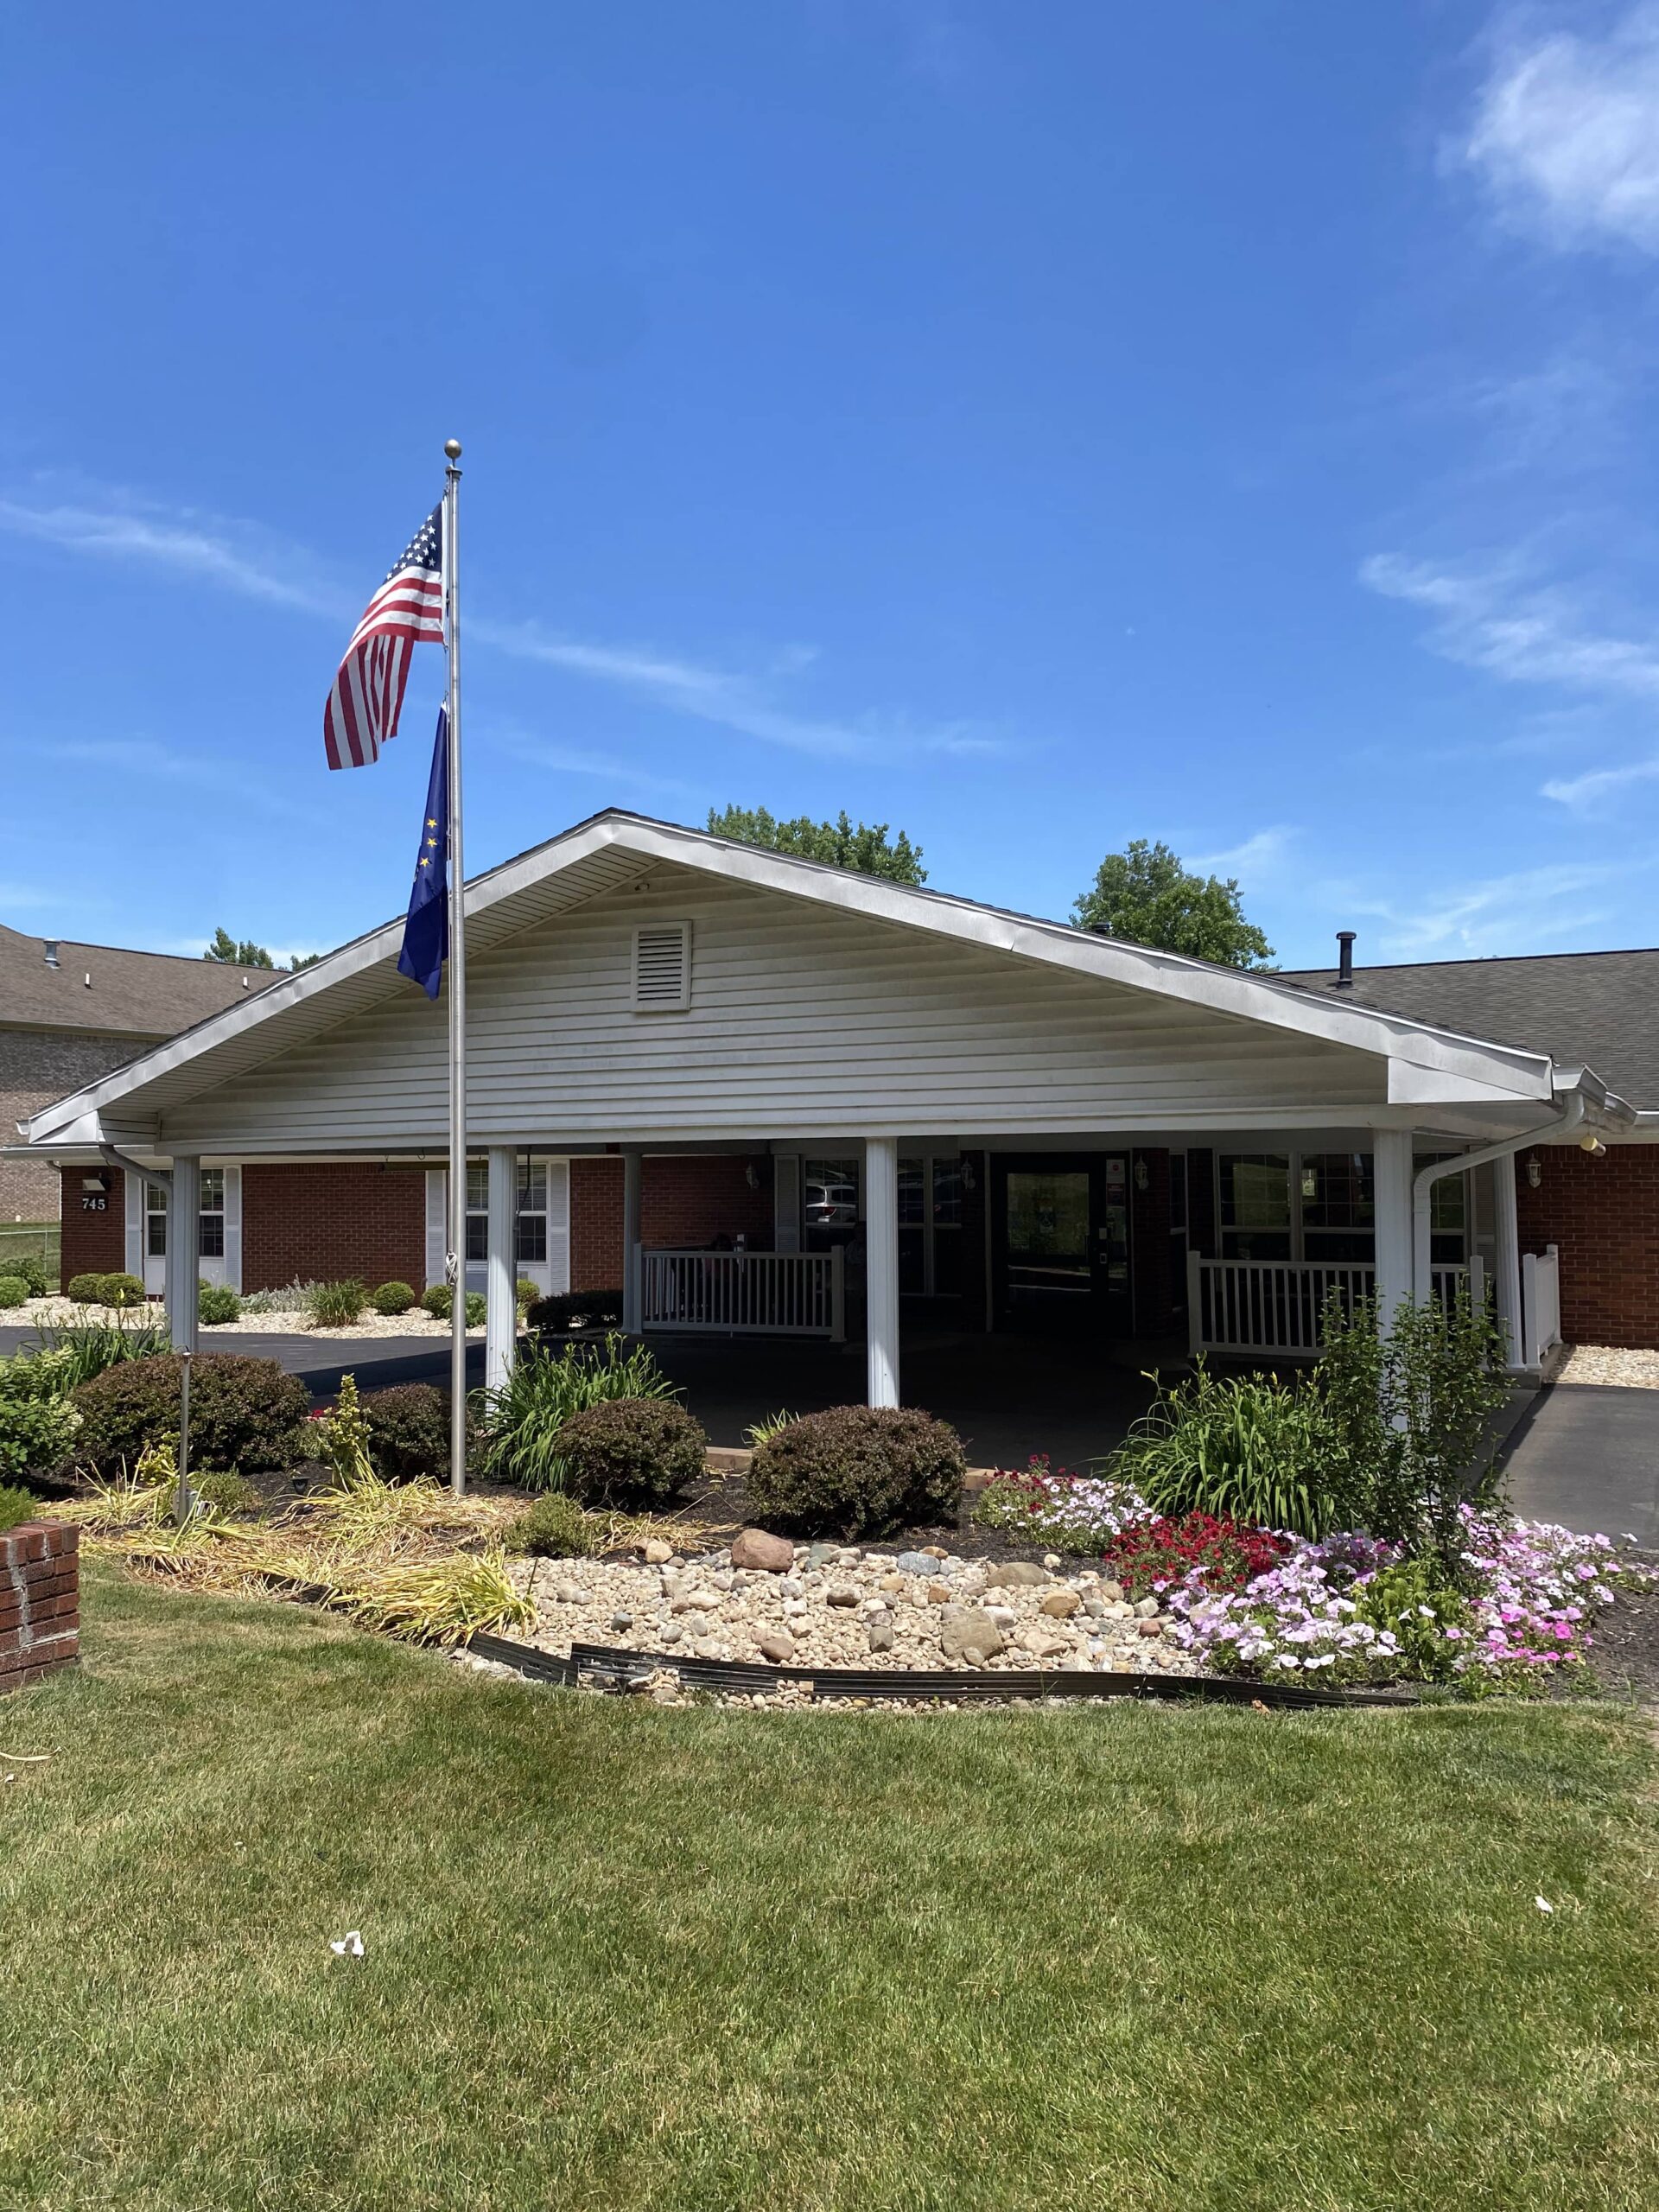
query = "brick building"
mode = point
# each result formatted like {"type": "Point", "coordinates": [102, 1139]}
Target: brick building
{"type": "Point", "coordinates": [69, 1012]}
{"type": "Point", "coordinates": [821, 1096]}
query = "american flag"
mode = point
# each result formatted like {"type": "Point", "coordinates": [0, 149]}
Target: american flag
{"type": "Point", "coordinates": [407, 611]}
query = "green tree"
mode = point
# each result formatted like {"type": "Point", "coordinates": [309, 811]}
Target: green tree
{"type": "Point", "coordinates": [235, 952]}
{"type": "Point", "coordinates": [1144, 895]}
{"type": "Point", "coordinates": [867, 850]}
{"type": "Point", "coordinates": [242, 952]}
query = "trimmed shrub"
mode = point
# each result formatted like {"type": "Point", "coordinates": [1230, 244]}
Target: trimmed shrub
{"type": "Point", "coordinates": [477, 1307]}
{"type": "Point", "coordinates": [554, 1528]}
{"type": "Point", "coordinates": [13, 1291]}
{"type": "Point", "coordinates": [630, 1452]}
{"type": "Point", "coordinates": [226, 1491]}
{"type": "Point", "coordinates": [28, 1268]}
{"type": "Point", "coordinates": [119, 1290]}
{"type": "Point", "coordinates": [392, 1299]}
{"type": "Point", "coordinates": [525, 1293]}
{"type": "Point", "coordinates": [36, 1433]}
{"type": "Point", "coordinates": [576, 1309]}
{"type": "Point", "coordinates": [85, 1290]}
{"type": "Point", "coordinates": [521, 1422]}
{"type": "Point", "coordinates": [409, 1431]}
{"type": "Point", "coordinates": [243, 1411]}
{"type": "Point", "coordinates": [217, 1303]}
{"type": "Point", "coordinates": [438, 1302]}
{"type": "Point", "coordinates": [857, 1471]}
{"type": "Point", "coordinates": [18, 1505]}
{"type": "Point", "coordinates": [336, 1305]}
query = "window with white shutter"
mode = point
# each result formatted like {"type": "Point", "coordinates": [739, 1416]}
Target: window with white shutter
{"type": "Point", "coordinates": [662, 966]}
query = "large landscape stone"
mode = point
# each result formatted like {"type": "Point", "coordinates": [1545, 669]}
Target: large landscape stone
{"type": "Point", "coordinates": [1015, 1574]}
{"type": "Point", "coordinates": [966, 1630]}
{"type": "Point", "coordinates": [778, 1647]}
{"type": "Point", "coordinates": [1060, 1605]}
{"type": "Point", "coordinates": [758, 1549]}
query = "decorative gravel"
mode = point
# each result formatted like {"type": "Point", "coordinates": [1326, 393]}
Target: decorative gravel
{"type": "Point", "coordinates": [1608, 1363]}
{"type": "Point", "coordinates": [286, 1323]}
{"type": "Point", "coordinates": [839, 1605]}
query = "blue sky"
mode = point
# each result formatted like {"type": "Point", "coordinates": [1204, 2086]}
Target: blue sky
{"type": "Point", "coordinates": [1035, 428]}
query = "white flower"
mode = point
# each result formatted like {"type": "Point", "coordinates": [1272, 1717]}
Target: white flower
{"type": "Point", "coordinates": [350, 1945]}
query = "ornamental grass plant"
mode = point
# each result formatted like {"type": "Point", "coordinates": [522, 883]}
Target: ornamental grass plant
{"type": "Point", "coordinates": [519, 1424]}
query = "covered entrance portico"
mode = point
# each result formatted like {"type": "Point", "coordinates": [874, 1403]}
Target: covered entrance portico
{"type": "Point", "coordinates": [1027, 1127]}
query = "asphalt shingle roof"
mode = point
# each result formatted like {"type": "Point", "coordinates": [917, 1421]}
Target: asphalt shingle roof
{"type": "Point", "coordinates": [131, 994]}
{"type": "Point", "coordinates": [1597, 1008]}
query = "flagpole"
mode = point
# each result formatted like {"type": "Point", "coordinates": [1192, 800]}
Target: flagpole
{"type": "Point", "coordinates": [457, 965]}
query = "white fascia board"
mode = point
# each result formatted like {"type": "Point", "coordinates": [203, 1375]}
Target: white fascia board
{"type": "Point", "coordinates": [1165, 975]}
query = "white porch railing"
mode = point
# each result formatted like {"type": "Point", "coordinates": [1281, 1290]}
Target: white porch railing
{"type": "Point", "coordinates": [1541, 1303]}
{"type": "Point", "coordinates": [759, 1293]}
{"type": "Point", "coordinates": [1274, 1305]}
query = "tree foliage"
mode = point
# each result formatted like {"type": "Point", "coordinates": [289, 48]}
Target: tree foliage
{"type": "Point", "coordinates": [242, 952]}
{"type": "Point", "coordinates": [867, 850]}
{"type": "Point", "coordinates": [1144, 895]}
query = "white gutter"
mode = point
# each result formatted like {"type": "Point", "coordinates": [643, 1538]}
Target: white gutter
{"type": "Point", "coordinates": [1570, 1118]}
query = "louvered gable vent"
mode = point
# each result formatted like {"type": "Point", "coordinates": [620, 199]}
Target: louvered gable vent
{"type": "Point", "coordinates": [662, 966]}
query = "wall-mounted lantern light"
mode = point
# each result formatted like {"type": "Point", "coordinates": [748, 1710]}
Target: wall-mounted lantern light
{"type": "Point", "coordinates": [1142, 1177]}
{"type": "Point", "coordinates": [1535, 1171]}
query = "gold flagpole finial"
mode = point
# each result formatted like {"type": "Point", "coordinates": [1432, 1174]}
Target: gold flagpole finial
{"type": "Point", "coordinates": [452, 447]}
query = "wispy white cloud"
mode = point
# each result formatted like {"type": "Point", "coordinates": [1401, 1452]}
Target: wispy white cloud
{"type": "Point", "coordinates": [143, 757]}
{"type": "Point", "coordinates": [237, 558]}
{"type": "Point", "coordinates": [1533, 909]}
{"type": "Point", "coordinates": [745, 703]}
{"type": "Point", "coordinates": [1584, 793]}
{"type": "Point", "coordinates": [181, 544]}
{"type": "Point", "coordinates": [1258, 858]}
{"type": "Point", "coordinates": [1565, 135]}
{"type": "Point", "coordinates": [1499, 620]}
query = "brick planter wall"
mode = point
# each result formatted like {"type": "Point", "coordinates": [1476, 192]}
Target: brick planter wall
{"type": "Point", "coordinates": [40, 1601]}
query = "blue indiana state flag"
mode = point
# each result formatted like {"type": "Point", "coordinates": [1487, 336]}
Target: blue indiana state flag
{"type": "Point", "coordinates": [426, 933]}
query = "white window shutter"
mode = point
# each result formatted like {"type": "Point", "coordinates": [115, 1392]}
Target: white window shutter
{"type": "Point", "coordinates": [135, 1189]}
{"type": "Point", "coordinates": [786, 1203]}
{"type": "Point", "coordinates": [558, 1227]}
{"type": "Point", "coordinates": [436, 1242]}
{"type": "Point", "coordinates": [233, 1226]}
{"type": "Point", "coordinates": [662, 966]}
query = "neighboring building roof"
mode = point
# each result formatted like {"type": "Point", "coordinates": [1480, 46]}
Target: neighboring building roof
{"type": "Point", "coordinates": [129, 994]}
{"type": "Point", "coordinates": [1599, 1008]}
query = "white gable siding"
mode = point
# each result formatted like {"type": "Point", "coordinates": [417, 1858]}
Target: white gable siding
{"type": "Point", "coordinates": [800, 1020]}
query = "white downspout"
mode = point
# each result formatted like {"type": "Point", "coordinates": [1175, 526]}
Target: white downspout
{"type": "Point", "coordinates": [1570, 1118]}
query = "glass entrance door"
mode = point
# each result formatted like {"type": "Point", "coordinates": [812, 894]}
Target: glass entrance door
{"type": "Point", "coordinates": [1062, 1244]}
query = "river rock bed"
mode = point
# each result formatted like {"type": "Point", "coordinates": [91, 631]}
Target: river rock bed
{"type": "Point", "coordinates": [831, 1605]}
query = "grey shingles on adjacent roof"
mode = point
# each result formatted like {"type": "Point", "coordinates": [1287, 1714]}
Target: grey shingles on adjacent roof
{"type": "Point", "coordinates": [131, 994]}
{"type": "Point", "coordinates": [1597, 1008]}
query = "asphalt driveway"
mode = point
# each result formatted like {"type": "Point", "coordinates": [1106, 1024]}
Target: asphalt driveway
{"type": "Point", "coordinates": [1588, 1456]}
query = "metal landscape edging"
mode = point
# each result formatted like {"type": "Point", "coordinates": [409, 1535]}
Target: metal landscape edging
{"type": "Point", "coordinates": [914, 1684]}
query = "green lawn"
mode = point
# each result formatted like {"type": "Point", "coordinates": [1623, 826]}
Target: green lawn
{"type": "Point", "coordinates": [621, 1956]}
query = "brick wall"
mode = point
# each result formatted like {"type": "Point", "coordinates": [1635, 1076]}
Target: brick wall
{"type": "Point", "coordinates": [38, 1066]}
{"type": "Point", "coordinates": [40, 1601]}
{"type": "Point", "coordinates": [1603, 1215]}
{"type": "Point", "coordinates": [93, 1244]}
{"type": "Point", "coordinates": [688, 1200]}
{"type": "Point", "coordinates": [325, 1221]}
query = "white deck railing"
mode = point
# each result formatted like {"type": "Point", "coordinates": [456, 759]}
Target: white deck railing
{"type": "Point", "coordinates": [1541, 1303]}
{"type": "Point", "coordinates": [758, 1294]}
{"type": "Point", "coordinates": [1274, 1305]}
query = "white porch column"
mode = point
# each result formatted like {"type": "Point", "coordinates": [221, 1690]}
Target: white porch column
{"type": "Point", "coordinates": [182, 1276]}
{"type": "Point", "coordinates": [500, 1309]}
{"type": "Point", "coordinates": [1506, 1259]}
{"type": "Point", "coordinates": [881, 1268]}
{"type": "Point", "coordinates": [1392, 1159]}
{"type": "Point", "coordinates": [634, 1176]}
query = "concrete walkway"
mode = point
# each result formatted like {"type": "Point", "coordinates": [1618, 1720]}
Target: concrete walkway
{"type": "Point", "coordinates": [1588, 1457]}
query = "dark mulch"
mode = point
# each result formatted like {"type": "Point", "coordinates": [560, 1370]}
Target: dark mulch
{"type": "Point", "coordinates": [1625, 1647]}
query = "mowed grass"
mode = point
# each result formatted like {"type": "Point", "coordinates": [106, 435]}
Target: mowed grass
{"type": "Point", "coordinates": [1192, 1958]}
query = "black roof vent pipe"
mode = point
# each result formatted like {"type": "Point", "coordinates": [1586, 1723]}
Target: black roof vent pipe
{"type": "Point", "coordinates": [1345, 960]}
